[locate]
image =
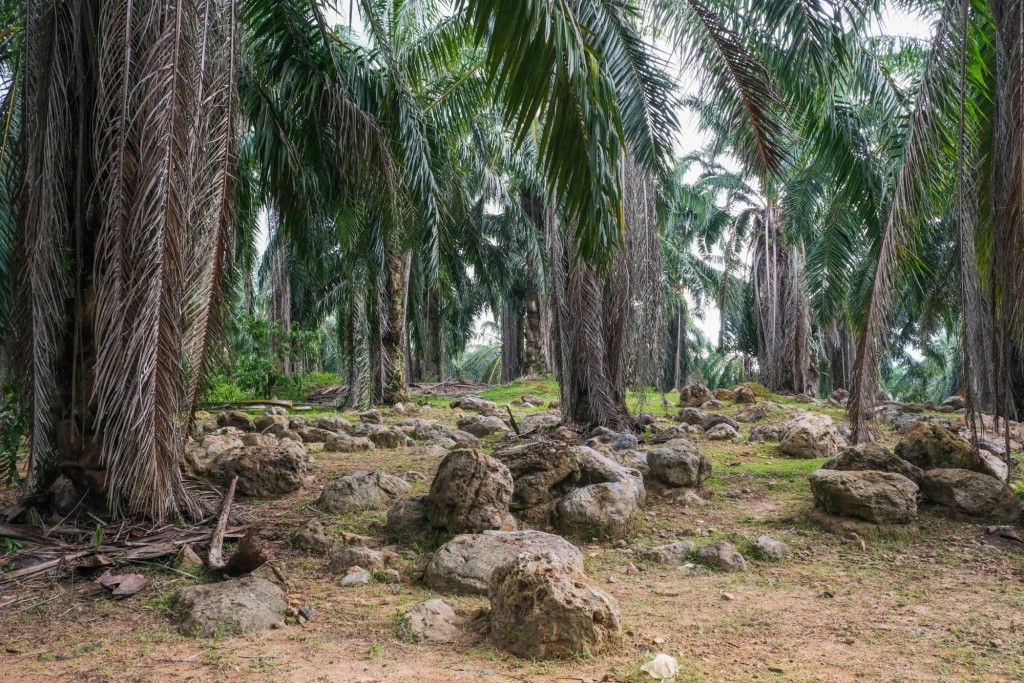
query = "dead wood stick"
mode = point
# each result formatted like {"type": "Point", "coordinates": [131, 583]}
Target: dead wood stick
{"type": "Point", "coordinates": [216, 557]}
{"type": "Point", "coordinates": [513, 419]}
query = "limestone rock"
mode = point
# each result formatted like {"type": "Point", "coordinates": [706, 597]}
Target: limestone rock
{"type": "Point", "coordinates": [356, 556]}
{"type": "Point", "coordinates": [873, 457]}
{"type": "Point", "coordinates": [261, 471]}
{"type": "Point", "coordinates": [810, 435]}
{"type": "Point", "coordinates": [235, 607]}
{"type": "Point", "coordinates": [541, 470]}
{"type": "Point", "coordinates": [542, 606]}
{"type": "Point", "coordinates": [465, 563]}
{"type": "Point", "coordinates": [389, 438]}
{"type": "Point", "coordinates": [342, 443]}
{"type": "Point", "coordinates": [693, 395]}
{"type": "Point", "coordinates": [931, 446]}
{"type": "Point", "coordinates": [315, 435]}
{"type": "Point", "coordinates": [722, 555]}
{"type": "Point", "coordinates": [407, 519]}
{"type": "Point", "coordinates": [481, 425]}
{"type": "Point", "coordinates": [762, 433]}
{"type": "Point", "coordinates": [333, 423]}
{"type": "Point", "coordinates": [470, 493]}
{"type": "Point", "coordinates": [433, 621]}
{"type": "Point", "coordinates": [676, 552]}
{"type": "Point", "coordinates": [606, 503]}
{"type": "Point", "coordinates": [880, 497]}
{"type": "Point", "coordinates": [312, 538]}
{"type": "Point", "coordinates": [215, 445]}
{"type": "Point", "coordinates": [473, 403]}
{"type": "Point", "coordinates": [970, 493]}
{"type": "Point", "coordinates": [236, 419]}
{"type": "Point", "coordinates": [362, 491]}
{"type": "Point", "coordinates": [722, 432]}
{"type": "Point", "coordinates": [771, 548]}
{"type": "Point", "coordinates": [265, 422]}
{"type": "Point", "coordinates": [682, 465]}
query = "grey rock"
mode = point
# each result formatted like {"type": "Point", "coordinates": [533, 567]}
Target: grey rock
{"type": "Point", "coordinates": [312, 538]}
{"type": "Point", "coordinates": [771, 548]}
{"type": "Point", "coordinates": [691, 416]}
{"type": "Point", "coordinates": [389, 438]}
{"type": "Point", "coordinates": [470, 493]}
{"type": "Point", "coordinates": [543, 606]}
{"type": "Point", "coordinates": [362, 491]}
{"type": "Point", "coordinates": [342, 443]}
{"type": "Point", "coordinates": [333, 423]}
{"type": "Point", "coordinates": [605, 504]}
{"type": "Point", "coordinates": [676, 552]}
{"type": "Point", "coordinates": [433, 621]}
{"type": "Point", "coordinates": [236, 419]}
{"type": "Point", "coordinates": [465, 563]}
{"type": "Point", "coordinates": [762, 433]}
{"type": "Point", "coordinates": [473, 403]}
{"type": "Point", "coordinates": [722, 555]}
{"type": "Point", "coordinates": [722, 432]}
{"type": "Point", "coordinates": [261, 471]}
{"type": "Point", "coordinates": [355, 579]}
{"type": "Point", "coordinates": [810, 435]}
{"type": "Point", "coordinates": [873, 457]}
{"type": "Point", "coordinates": [481, 425]}
{"type": "Point", "coordinates": [541, 470]}
{"type": "Point", "coordinates": [235, 607]}
{"type": "Point", "coordinates": [880, 497]}
{"type": "Point", "coordinates": [682, 465]}
{"type": "Point", "coordinates": [931, 446]}
{"type": "Point", "coordinates": [407, 519]}
{"type": "Point", "coordinates": [356, 556]}
{"type": "Point", "coordinates": [970, 493]}
{"type": "Point", "coordinates": [315, 435]}
{"type": "Point", "coordinates": [714, 419]}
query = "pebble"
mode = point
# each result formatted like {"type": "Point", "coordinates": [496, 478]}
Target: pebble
{"type": "Point", "coordinates": [360, 578]}
{"type": "Point", "coordinates": [278, 625]}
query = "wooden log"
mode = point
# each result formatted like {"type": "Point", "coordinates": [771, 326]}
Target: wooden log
{"type": "Point", "coordinates": [215, 558]}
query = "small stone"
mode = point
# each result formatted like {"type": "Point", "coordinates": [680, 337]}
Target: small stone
{"type": "Point", "coordinates": [360, 578]}
{"type": "Point", "coordinates": [771, 548]}
{"type": "Point", "coordinates": [278, 625]}
{"type": "Point", "coordinates": [432, 621]}
{"type": "Point", "coordinates": [722, 555]}
{"type": "Point", "coordinates": [290, 611]}
{"type": "Point", "coordinates": [728, 596]}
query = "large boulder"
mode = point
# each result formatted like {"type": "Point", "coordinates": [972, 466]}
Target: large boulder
{"type": "Point", "coordinates": [682, 465]}
{"type": "Point", "coordinates": [230, 608]}
{"type": "Point", "coordinates": [343, 443]}
{"type": "Point", "coordinates": [543, 606]}
{"type": "Point", "coordinates": [407, 519]}
{"type": "Point", "coordinates": [216, 444]}
{"type": "Point", "coordinates": [539, 421]}
{"type": "Point", "coordinates": [608, 500]}
{"type": "Point", "coordinates": [606, 439]}
{"type": "Point", "coordinates": [873, 457]}
{"type": "Point", "coordinates": [236, 419]}
{"type": "Point", "coordinates": [265, 422]}
{"type": "Point", "coordinates": [362, 491]}
{"type": "Point", "coordinates": [762, 433]}
{"type": "Point", "coordinates": [541, 470]}
{"type": "Point", "coordinates": [691, 416]}
{"type": "Point", "coordinates": [470, 493]}
{"type": "Point", "coordinates": [744, 395]}
{"type": "Point", "coordinates": [465, 563]}
{"type": "Point", "coordinates": [473, 403]}
{"type": "Point", "coordinates": [481, 425]}
{"type": "Point", "coordinates": [333, 423]}
{"type": "Point", "coordinates": [389, 438]}
{"type": "Point", "coordinates": [810, 435]}
{"type": "Point", "coordinates": [880, 497]}
{"type": "Point", "coordinates": [693, 395]}
{"type": "Point", "coordinates": [970, 493]}
{"type": "Point", "coordinates": [315, 434]}
{"type": "Point", "coordinates": [931, 446]}
{"type": "Point", "coordinates": [261, 471]}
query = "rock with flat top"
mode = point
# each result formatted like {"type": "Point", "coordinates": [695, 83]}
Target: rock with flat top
{"type": "Point", "coordinates": [465, 563]}
{"type": "Point", "coordinates": [362, 491]}
{"type": "Point", "coordinates": [229, 608]}
{"type": "Point", "coordinates": [879, 497]}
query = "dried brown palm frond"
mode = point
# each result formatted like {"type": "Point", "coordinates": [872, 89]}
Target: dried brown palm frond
{"type": "Point", "coordinates": [123, 234]}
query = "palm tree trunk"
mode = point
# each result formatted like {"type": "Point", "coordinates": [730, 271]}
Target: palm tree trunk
{"type": "Point", "coordinates": [392, 338]}
{"type": "Point", "coordinates": [122, 239]}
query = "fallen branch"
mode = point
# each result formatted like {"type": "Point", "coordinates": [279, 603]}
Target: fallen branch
{"type": "Point", "coordinates": [215, 558]}
{"type": "Point", "coordinates": [512, 418]}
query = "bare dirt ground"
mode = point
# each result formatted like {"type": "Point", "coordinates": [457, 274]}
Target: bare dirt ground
{"type": "Point", "coordinates": [925, 602]}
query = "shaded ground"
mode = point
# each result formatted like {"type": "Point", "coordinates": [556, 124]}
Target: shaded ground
{"type": "Point", "coordinates": [925, 602]}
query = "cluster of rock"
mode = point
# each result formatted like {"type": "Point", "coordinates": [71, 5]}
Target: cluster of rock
{"type": "Point", "coordinates": [931, 463]}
